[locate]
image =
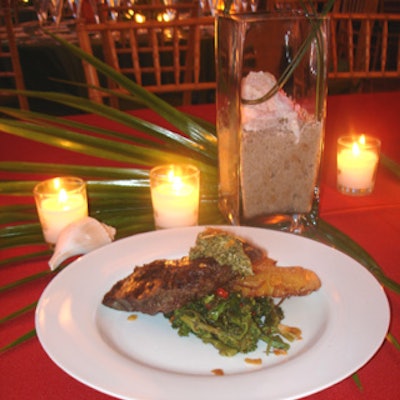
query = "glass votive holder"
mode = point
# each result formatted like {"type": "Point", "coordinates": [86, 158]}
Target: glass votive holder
{"type": "Point", "coordinates": [357, 163]}
{"type": "Point", "coordinates": [59, 202]}
{"type": "Point", "coordinates": [175, 195]}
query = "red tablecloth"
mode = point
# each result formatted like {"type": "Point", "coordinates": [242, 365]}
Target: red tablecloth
{"type": "Point", "coordinates": [372, 221]}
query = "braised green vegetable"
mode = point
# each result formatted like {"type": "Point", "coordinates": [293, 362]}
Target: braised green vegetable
{"type": "Point", "coordinates": [234, 324]}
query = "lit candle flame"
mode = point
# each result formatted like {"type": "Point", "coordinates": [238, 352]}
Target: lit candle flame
{"type": "Point", "coordinates": [177, 184]}
{"type": "Point", "coordinates": [357, 145]}
{"type": "Point", "coordinates": [355, 149]}
{"type": "Point", "coordinates": [56, 183]}
{"type": "Point", "coordinates": [176, 181]}
{"type": "Point", "coordinates": [62, 196]}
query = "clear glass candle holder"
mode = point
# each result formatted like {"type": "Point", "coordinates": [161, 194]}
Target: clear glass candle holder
{"type": "Point", "coordinates": [357, 164]}
{"type": "Point", "coordinates": [175, 193]}
{"type": "Point", "coordinates": [59, 202]}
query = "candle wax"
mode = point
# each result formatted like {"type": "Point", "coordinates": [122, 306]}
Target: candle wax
{"type": "Point", "coordinates": [175, 206]}
{"type": "Point", "coordinates": [55, 215]}
{"type": "Point", "coordinates": [356, 170]}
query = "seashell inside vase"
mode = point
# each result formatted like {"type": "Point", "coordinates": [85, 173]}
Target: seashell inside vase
{"type": "Point", "coordinates": [81, 237]}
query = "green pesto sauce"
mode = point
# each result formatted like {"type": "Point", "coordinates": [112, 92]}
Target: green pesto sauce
{"type": "Point", "coordinates": [224, 247]}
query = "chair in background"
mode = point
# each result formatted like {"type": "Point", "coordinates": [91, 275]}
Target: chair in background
{"type": "Point", "coordinates": [364, 46]}
{"type": "Point", "coordinates": [10, 69]}
{"type": "Point", "coordinates": [163, 57]}
{"type": "Point", "coordinates": [357, 6]}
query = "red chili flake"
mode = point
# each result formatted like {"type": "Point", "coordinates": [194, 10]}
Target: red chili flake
{"type": "Point", "coordinates": [221, 292]}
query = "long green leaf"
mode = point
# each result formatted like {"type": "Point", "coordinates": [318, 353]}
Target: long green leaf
{"type": "Point", "coordinates": [19, 312]}
{"type": "Point", "coordinates": [19, 230]}
{"type": "Point", "coordinates": [393, 341]}
{"type": "Point", "coordinates": [22, 281]}
{"type": "Point", "coordinates": [159, 137]}
{"type": "Point", "coordinates": [391, 165]}
{"type": "Point", "coordinates": [19, 341]}
{"type": "Point", "coordinates": [98, 147]}
{"type": "Point", "coordinates": [17, 213]}
{"type": "Point", "coordinates": [17, 188]}
{"type": "Point", "coordinates": [208, 126]}
{"type": "Point", "coordinates": [357, 381]}
{"type": "Point", "coordinates": [29, 256]}
{"type": "Point", "coordinates": [16, 217]}
{"type": "Point", "coordinates": [102, 187]}
{"type": "Point", "coordinates": [83, 171]}
{"type": "Point", "coordinates": [21, 240]}
{"type": "Point", "coordinates": [17, 207]}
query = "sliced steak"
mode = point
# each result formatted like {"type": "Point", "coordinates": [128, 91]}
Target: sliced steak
{"type": "Point", "coordinates": [165, 285]}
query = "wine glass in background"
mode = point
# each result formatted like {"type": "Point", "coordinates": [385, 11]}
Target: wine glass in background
{"type": "Point", "coordinates": [213, 6]}
{"type": "Point", "coordinates": [170, 13]}
{"type": "Point", "coordinates": [42, 8]}
{"type": "Point", "coordinates": [203, 6]}
{"type": "Point", "coordinates": [48, 11]}
{"type": "Point", "coordinates": [245, 5]}
{"type": "Point", "coordinates": [52, 10]}
{"type": "Point", "coordinates": [74, 7]}
{"type": "Point", "coordinates": [113, 4]}
{"type": "Point", "coordinates": [254, 5]}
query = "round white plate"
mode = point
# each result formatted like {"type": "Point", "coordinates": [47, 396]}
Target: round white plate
{"type": "Point", "coordinates": [146, 359]}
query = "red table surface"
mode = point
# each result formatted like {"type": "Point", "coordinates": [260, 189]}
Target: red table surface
{"type": "Point", "coordinates": [372, 221]}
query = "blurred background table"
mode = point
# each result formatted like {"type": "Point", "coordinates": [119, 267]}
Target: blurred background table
{"type": "Point", "coordinates": [47, 66]}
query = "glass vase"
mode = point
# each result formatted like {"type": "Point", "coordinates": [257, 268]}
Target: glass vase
{"type": "Point", "coordinates": [271, 105]}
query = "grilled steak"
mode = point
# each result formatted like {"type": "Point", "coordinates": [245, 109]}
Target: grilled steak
{"type": "Point", "coordinates": [165, 285]}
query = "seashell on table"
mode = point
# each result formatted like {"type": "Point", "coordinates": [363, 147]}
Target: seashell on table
{"type": "Point", "coordinates": [81, 237]}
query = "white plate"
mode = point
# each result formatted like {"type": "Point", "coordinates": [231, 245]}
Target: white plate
{"type": "Point", "coordinates": [146, 359]}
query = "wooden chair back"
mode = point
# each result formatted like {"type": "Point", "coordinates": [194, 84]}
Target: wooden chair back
{"type": "Point", "coordinates": [163, 57]}
{"type": "Point", "coordinates": [10, 71]}
{"type": "Point", "coordinates": [357, 6]}
{"type": "Point", "coordinates": [364, 46]}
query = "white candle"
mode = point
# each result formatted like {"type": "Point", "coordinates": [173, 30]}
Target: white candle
{"type": "Point", "coordinates": [57, 213]}
{"type": "Point", "coordinates": [357, 162]}
{"type": "Point", "coordinates": [175, 196]}
{"type": "Point", "coordinates": [60, 201]}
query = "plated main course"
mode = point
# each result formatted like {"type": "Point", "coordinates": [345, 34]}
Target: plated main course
{"type": "Point", "coordinates": [226, 291]}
